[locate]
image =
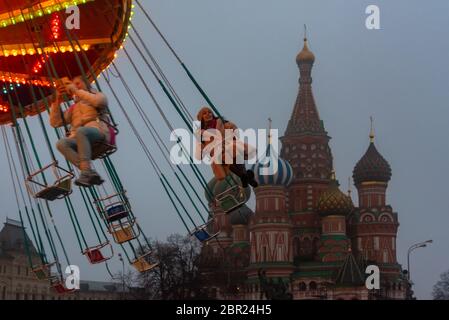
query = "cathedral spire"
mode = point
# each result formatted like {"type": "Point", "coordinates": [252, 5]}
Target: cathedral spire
{"type": "Point", "coordinates": [270, 137]}
{"type": "Point", "coordinates": [305, 118]}
{"type": "Point", "coordinates": [371, 134]}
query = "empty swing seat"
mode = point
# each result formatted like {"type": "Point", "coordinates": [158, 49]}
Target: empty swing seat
{"type": "Point", "coordinates": [231, 199]}
{"type": "Point", "coordinates": [59, 190]}
{"type": "Point", "coordinates": [95, 254]}
{"type": "Point", "coordinates": [202, 234]}
{"type": "Point", "coordinates": [141, 264]}
{"type": "Point", "coordinates": [42, 272]}
{"type": "Point", "coordinates": [123, 234]}
{"type": "Point", "coordinates": [116, 213]}
{"type": "Point", "coordinates": [59, 287]}
{"type": "Point", "coordinates": [61, 187]}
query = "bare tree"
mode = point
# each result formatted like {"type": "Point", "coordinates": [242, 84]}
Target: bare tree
{"type": "Point", "coordinates": [176, 277]}
{"type": "Point", "coordinates": [441, 288]}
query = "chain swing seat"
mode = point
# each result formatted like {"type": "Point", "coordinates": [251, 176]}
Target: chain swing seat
{"type": "Point", "coordinates": [43, 272]}
{"type": "Point", "coordinates": [143, 263]}
{"type": "Point", "coordinates": [203, 234]}
{"type": "Point", "coordinates": [232, 198]}
{"type": "Point", "coordinates": [59, 286]}
{"type": "Point", "coordinates": [121, 225]}
{"type": "Point", "coordinates": [59, 189]}
{"type": "Point", "coordinates": [95, 254]}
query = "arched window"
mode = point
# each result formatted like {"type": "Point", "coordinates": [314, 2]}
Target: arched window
{"type": "Point", "coordinates": [306, 246]}
{"type": "Point", "coordinates": [313, 285]}
{"type": "Point", "coordinates": [302, 286]}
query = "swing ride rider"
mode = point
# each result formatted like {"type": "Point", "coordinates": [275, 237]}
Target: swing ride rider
{"type": "Point", "coordinates": [221, 170]}
{"type": "Point", "coordinates": [88, 125]}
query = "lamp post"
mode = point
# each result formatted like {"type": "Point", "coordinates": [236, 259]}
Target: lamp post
{"type": "Point", "coordinates": [411, 249]}
{"type": "Point", "coordinates": [123, 275]}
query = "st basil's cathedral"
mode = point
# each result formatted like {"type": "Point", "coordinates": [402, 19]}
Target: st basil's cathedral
{"type": "Point", "coordinates": [306, 238]}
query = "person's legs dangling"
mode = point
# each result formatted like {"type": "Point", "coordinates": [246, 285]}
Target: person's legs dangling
{"type": "Point", "coordinates": [85, 138]}
{"type": "Point", "coordinates": [69, 149]}
{"type": "Point", "coordinates": [246, 176]}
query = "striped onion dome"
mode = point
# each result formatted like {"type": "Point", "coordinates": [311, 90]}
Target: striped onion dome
{"type": "Point", "coordinates": [284, 174]}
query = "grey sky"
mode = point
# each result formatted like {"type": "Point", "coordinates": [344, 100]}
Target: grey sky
{"type": "Point", "coordinates": [243, 52]}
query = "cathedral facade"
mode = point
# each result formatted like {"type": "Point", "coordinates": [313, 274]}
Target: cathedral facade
{"type": "Point", "coordinates": [306, 238]}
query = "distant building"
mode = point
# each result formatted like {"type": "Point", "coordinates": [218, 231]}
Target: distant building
{"type": "Point", "coordinates": [306, 239]}
{"type": "Point", "coordinates": [18, 282]}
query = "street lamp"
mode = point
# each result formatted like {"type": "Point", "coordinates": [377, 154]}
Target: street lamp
{"type": "Point", "coordinates": [412, 248]}
{"type": "Point", "coordinates": [123, 274]}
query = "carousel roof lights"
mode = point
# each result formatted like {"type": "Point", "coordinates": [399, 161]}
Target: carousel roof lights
{"type": "Point", "coordinates": [37, 11]}
{"type": "Point", "coordinates": [52, 49]}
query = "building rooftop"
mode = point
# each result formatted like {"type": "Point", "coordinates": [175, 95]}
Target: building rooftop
{"type": "Point", "coordinates": [12, 237]}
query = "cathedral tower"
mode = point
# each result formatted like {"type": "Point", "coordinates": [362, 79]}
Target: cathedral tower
{"type": "Point", "coordinates": [271, 227]}
{"type": "Point", "coordinates": [306, 147]}
{"type": "Point", "coordinates": [374, 225]}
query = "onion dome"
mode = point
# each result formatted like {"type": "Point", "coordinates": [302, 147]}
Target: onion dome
{"type": "Point", "coordinates": [372, 166]}
{"type": "Point", "coordinates": [283, 175]}
{"type": "Point", "coordinates": [305, 56]}
{"type": "Point", "coordinates": [333, 202]}
{"type": "Point", "coordinates": [241, 216]}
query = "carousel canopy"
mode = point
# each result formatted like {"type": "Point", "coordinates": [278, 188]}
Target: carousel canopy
{"type": "Point", "coordinates": [35, 47]}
